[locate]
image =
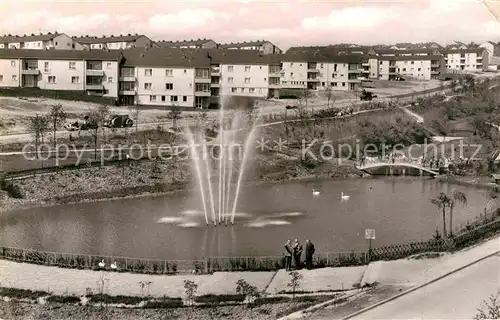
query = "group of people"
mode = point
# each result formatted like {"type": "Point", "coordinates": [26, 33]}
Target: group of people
{"type": "Point", "coordinates": [293, 253]}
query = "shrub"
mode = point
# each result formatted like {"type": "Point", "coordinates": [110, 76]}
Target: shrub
{"type": "Point", "coordinates": [107, 299]}
{"type": "Point", "coordinates": [63, 299]}
{"type": "Point", "coordinates": [22, 293]}
{"type": "Point", "coordinates": [164, 303]}
{"type": "Point", "coordinates": [217, 299]}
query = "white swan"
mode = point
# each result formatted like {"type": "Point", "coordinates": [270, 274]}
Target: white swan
{"type": "Point", "coordinates": [315, 193]}
{"type": "Point", "coordinates": [114, 265]}
{"type": "Point", "coordinates": [102, 264]}
{"type": "Point", "coordinates": [344, 197]}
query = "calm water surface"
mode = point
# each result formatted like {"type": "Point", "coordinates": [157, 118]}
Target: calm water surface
{"type": "Point", "coordinates": [397, 208]}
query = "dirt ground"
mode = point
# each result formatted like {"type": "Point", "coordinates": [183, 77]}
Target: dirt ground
{"type": "Point", "coordinates": [14, 112]}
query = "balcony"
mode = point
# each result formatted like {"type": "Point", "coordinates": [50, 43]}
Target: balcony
{"type": "Point", "coordinates": [365, 64]}
{"type": "Point", "coordinates": [95, 86]}
{"type": "Point", "coordinates": [434, 72]}
{"type": "Point", "coordinates": [215, 71]}
{"type": "Point", "coordinates": [95, 72]}
{"type": "Point", "coordinates": [312, 79]}
{"type": "Point", "coordinates": [127, 92]}
{"type": "Point", "coordinates": [435, 65]}
{"type": "Point", "coordinates": [202, 94]}
{"type": "Point", "coordinates": [127, 78]}
{"type": "Point", "coordinates": [354, 70]}
{"type": "Point", "coordinates": [312, 70]}
{"type": "Point", "coordinates": [275, 73]}
{"type": "Point", "coordinates": [30, 71]}
{"type": "Point", "coordinates": [274, 86]}
{"type": "Point", "coordinates": [202, 80]}
{"type": "Point", "coordinates": [215, 84]}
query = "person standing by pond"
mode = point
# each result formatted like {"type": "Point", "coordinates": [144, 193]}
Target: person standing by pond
{"type": "Point", "coordinates": [297, 252]}
{"type": "Point", "coordinates": [309, 254]}
{"type": "Point", "coordinates": [288, 255]}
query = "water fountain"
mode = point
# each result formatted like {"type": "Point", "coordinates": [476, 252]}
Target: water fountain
{"type": "Point", "coordinates": [203, 158]}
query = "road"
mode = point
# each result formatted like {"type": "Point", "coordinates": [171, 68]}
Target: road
{"type": "Point", "coordinates": [455, 297]}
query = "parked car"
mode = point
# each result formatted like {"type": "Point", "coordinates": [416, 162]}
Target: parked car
{"type": "Point", "coordinates": [367, 95]}
{"type": "Point", "coordinates": [119, 121]}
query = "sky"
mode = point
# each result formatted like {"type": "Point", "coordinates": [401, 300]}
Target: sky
{"type": "Point", "coordinates": [285, 23]}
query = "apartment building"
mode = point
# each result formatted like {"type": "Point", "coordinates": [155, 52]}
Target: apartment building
{"type": "Point", "coordinates": [471, 59]}
{"type": "Point", "coordinates": [263, 46]}
{"type": "Point", "coordinates": [165, 77]}
{"type": "Point", "coordinates": [188, 44]}
{"type": "Point", "coordinates": [57, 41]}
{"type": "Point", "coordinates": [245, 73]}
{"type": "Point", "coordinates": [93, 72]}
{"type": "Point", "coordinates": [112, 42]}
{"type": "Point", "coordinates": [493, 52]}
{"type": "Point", "coordinates": [417, 67]}
{"type": "Point", "coordinates": [314, 71]}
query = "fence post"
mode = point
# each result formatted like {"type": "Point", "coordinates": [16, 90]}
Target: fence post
{"type": "Point", "coordinates": [126, 263]}
{"type": "Point", "coordinates": [164, 266]}
{"type": "Point", "coordinates": [206, 265]}
{"type": "Point", "coordinates": [327, 259]}
{"type": "Point", "coordinates": [24, 255]}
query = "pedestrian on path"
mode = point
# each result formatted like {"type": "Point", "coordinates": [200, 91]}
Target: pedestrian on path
{"type": "Point", "coordinates": [309, 254]}
{"type": "Point", "coordinates": [288, 255]}
{"type": "Point", "coordinates": [297, 252]}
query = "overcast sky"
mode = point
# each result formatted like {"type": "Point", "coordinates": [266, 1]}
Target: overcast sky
{"type": "Point", "coordinates": [285, 23]}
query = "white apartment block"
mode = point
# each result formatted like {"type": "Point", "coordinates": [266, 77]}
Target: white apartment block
{"type": "Point", "coordinates": [245, 80]}
{"type": "Point", "coordinates": [466, 59]}
{"type": "Point", "coordinates": [493, 53]}
{"type": "Point", "coordinates": [114, 42]}
{"type": "Point", "coordinates": [57, 41]}
{"type": "Point", "coordinates": [410, 67]}
{"type": "Point", "coordinates": [90, 72]}
{"type": "Point", "coordinates": [343, 72]}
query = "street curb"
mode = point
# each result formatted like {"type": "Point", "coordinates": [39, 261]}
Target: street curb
{"type": "Point", "coordinates": [300, 314]}
{"type": "Point", "coordinates": [378, 304]}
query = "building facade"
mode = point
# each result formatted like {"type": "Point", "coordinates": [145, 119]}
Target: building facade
{"type": "Point", "coordinates": [473, 60]}
{"type": "Point", "coordinates": [263, 46]}
{"type": "Point", "coordinates": [114, 42]}
{"type": "Point", "coordinates": [57, 41]}
{"type": "Point", "coordinates": [420, 67]}
{"type": "Point", "coordinates": [92, 72]}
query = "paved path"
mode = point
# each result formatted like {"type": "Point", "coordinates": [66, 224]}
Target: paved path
{"type": "Point", "coordinates": [455, 297]}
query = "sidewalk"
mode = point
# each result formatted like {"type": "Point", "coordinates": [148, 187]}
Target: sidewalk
{"type": "Point", "coordinates": [399, 272]}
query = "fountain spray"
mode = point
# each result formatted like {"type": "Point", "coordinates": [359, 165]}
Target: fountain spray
{"type": "Point", "coordinates": [196, 159]}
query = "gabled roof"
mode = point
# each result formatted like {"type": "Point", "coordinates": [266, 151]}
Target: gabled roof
{"type": "Point", "coordinates": [244, 44]}
{"type": "Point", "coordinates": [173, 44]}
{"type": "Point", "coordinates": [60, 54]}
{"type": "Point", "coordinates": [408, 58]}
{"type": "Point", "coordinates": [319, 56]}
{"type": "Point", "coordinates": [108, 39]}
{"type": "Point", "coordinates": [251, 57]}
{"type": "Point", "coordinates": [468, 50]}
{"type": "Point", "coordinates": [329, 50]}
{"type": "Point", "coordinates": [165, 57]}
{"type": "Point", "coordinates": [28, 38]}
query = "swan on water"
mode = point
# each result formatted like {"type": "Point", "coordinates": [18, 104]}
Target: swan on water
{"type": "Point", "coordinates": [114, 265]}
{"type": "Point", "coordinates": [102, 264]}
{"type": "Point", "coordinates": [315, 193]}
{"type": "Point", "coordinates": [344, 197]}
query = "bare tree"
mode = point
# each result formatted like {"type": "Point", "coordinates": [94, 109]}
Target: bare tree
{"type": "Point", "coordinates": [57, 118]}
{"type": "Point", "coordinates": [490, 309]}
{"type": "Point", "coordinates": [38, 126]}
{"type": "Point", "coordinates": [102, 117]}
{"type": "Point", "coordinates": [135, 112]}
{"type": "Point", "coordinates": [174, 114]}
{"type": "Point", "coordinates": [329, 96]}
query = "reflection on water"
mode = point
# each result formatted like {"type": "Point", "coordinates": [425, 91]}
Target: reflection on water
{"type": "Point", "coordinates": [173, 227]}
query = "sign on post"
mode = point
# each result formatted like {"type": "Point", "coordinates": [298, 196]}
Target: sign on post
{"type": "Point", "coordinates": [370, 234]}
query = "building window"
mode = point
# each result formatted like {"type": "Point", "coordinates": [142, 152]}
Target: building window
{"type": "Point", "coordinates": [148, 86]}
{"type": "Point", "coordinates": [46, 66]}
{"type": "Point", "coordinates": [14, 77]}
{"type": "Point", "coordinates": [413, 62]}
{"type": "Point", "coordinates": [173, 99]}
{"type": "Point", "coordinates": [202, 74]}
{"type": "Point", "coordinates": [247, 68]}
{"type": "Point", "coordinates": [72, 65]}
{"type": "Point", "coordinates": [184, 98]}
{"type": "Point", "coordinates": [1, 77]}
{"type": "Point", "coordinates": [152, 98]}
{"type": "Point", "coordinates": [185, 71]}
{"type": "Point", "coordinates": [169, 73]}
{"type": "Point", "coordinates": [202, 87]}
{"type": "Point", "coordinates": [404, 69]}
{"type": "Point", "coordinates": [234, 89]}
{"type": "Point", "coordinates": [13, 63]}
{"type": "Point", "coordinates": [343, 84]}
{"type": "Point", "coordinates": [251, 90]}
{"type": "Point", "coordinates": [52, 79]}
{"type": "Point", "coordinates": [148, 72]}
{"type": "Point", "coordinates": [110, 79]}
{"type": "Point", "coordinates": [75, 80]}
{"type": "Point", "coordinates": [108, 65]}
{"type": "Point", "coordinates": [169, 86]}
{"type": "Point", "coordinates": [260, 90]}
{"type": "Point", "coordinates": [230, 68]}
{"type": "Point", "coordinates": [242, 90]}
{"type": "Point", "coordinates": [163, 98]}
{"type": "Point", "coordinates": [247, 80]}
{"type": "Point", "coordinates": [230, 80]}
{"type": "Point", "coordinates": [291, 74]}
{"type": "Point", "coordinates": [419, 69]}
